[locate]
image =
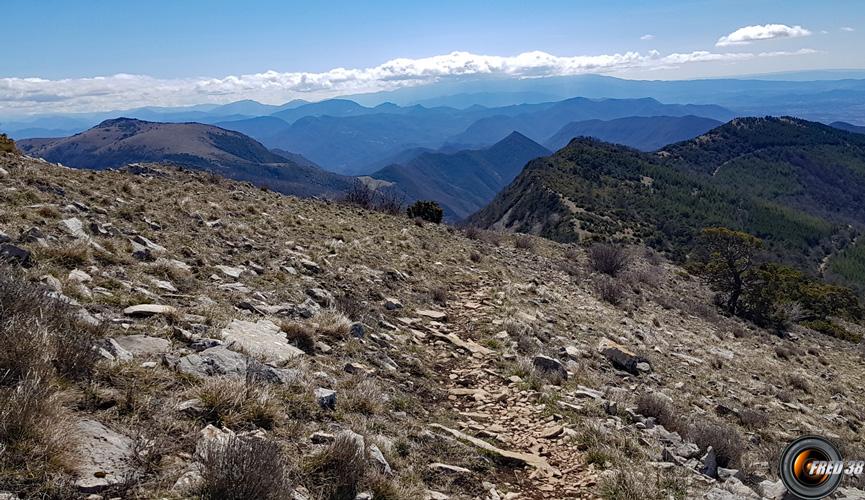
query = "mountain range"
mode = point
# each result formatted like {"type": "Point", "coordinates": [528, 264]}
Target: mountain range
{"type": "Point", "coordinates": [465, 181]}
{"type": "Point", "coordinates": [117, 142]}
{"type": "Point", "coordinates": [798, 185]}
{"type": "Point", "coordinates": [348, 138]}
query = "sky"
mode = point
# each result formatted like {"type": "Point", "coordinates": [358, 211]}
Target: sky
{"type": "Point", "coordinates": [99, 55]}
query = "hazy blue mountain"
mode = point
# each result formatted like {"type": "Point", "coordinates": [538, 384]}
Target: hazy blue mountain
{"type": "Point", "coordinates": [644, 133]}
{"type": "Point", "coordinates": [354, 143]}
{"type": "Point", "coordinates": [812, 95]}
{"type": "Point", "coordinates": [849, 127]}
{"type": "Point", "coordinates": [121, 141]}
{"type": "Point", "coordinates": [260, 128]}
{"type": "Point", "coordinates": [330, 107]}
{"type": "Point", "coordinates": [348, 144]}
{"type": "Point", "coordinates": [542, 124]}
{"type": "Point", "coordinates": [465, 181]}
{"type": "Point", "coordinates": [488, 99]}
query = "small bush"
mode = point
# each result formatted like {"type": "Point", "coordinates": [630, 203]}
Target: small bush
{"type": "Point", "coordinates": [829, 328]}
{"type": "Point", "coordinates": [753, 419]}
{"type": "Point", "coordinates": [650, 405]}
{"type": "Point", "coordinates": [798, 382]}
{"type": "Point", "coordinates": [389, 201]}
{"type": "Point", "coordinates": [784, 353]}
{"type": "Point", "coordinates": [360, 195]}
{"type": "Point", "coordinates": [608, 259]}
{"type": "Point", "coordinates": [473, 233]}
{"type": "Point", "coordinates": [440, 295]}
{"type": "Point", "coordinates": [725, 440]}
{"type": "Point", "coordinates": [429, 211]}
{"type": "Point", "coordinates": [241, 468]}
{"type": "Point", "coordinates": [336, 471]}
{"type": "Point", "coordinates": [524, 242]}
{"type": "Point", "coordinates": [609, 290]}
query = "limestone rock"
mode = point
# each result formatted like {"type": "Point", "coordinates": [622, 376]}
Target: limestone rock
{"type": "Point", "coordinates": [326, 398]}
{"type": "Point", "coordinates": [232, 272]}
{"type": "Point", "coordinates": [143, 345]}
{"type": "Point", "coordinates": [321, 296]}
{"type": "Point", "coordinates": [434, 315]}
{"type": "Point", "coordinates": [105, 457]}
{"type": "Point", "coordinates": [74, 228]}
{"type": "Point", "coordinates": [520, 458]}
{"type": "Point", "coordinates": [378, 460]}
{"type": "Point", "coordinates": [623, 359]}
{"type": "Point", "coordinates": [147, 310]}
{"type": "Point", "coordinates": [263, 338]}
{"type": "Point", "coordinates": [548, 365]}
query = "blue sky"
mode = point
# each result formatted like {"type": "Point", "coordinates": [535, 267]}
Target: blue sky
{"type": "Point", "coordinates": [190, 40]}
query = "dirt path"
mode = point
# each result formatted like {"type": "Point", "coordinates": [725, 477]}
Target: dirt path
{"type": "Point", "coordinates": [503, 412]}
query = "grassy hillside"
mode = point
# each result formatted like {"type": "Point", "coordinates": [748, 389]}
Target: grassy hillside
{"type": "Point", "coordinates": [213, 340]}
{"type": "Point", "coordinates": [118, 142]}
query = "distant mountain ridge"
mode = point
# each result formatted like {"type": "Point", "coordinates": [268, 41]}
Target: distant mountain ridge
{"type": "Point", "coordinates": [540, 122]}
{"type": "Point", "coordinates": [464, 181]}
{"type": "Point", "coordinates": [117, 142]}
{"type": "Point", "coordinates": [643, 133]}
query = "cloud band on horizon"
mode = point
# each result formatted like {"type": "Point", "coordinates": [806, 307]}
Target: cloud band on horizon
{"type": "Point", "coordinates": [22, 96]}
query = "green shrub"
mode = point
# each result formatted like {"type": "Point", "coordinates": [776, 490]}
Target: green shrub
{"type": "Point", "coordinates": [429, 211]}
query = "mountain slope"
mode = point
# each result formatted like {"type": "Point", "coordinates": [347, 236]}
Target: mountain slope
{"type": "Point", "coordinates": [643, 133]}
{"type": "Point", "coordinates": [794, 183]}
{"type": "Point", "coordinates": [465, 181]}
{"type": "Point", "coordinates": [118, 142]}
{"type": "Point", "coordinates": [191, 355]}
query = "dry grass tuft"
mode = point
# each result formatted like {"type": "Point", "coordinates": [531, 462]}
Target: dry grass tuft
{"type": "Point", "coordinates": [332, 323]}
{"type": "Point", "coordinates": [238, 403]}
{"type": "Point", "coordinates": [336, 471]}
{"type": "Point", "coordinates": [69, 255]}
{"type": "Point", "coordinates": [241, 468]}
{"type": "Point", "coordinates": [301, 335]}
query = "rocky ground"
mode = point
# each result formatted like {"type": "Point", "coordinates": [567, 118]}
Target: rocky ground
{"type": "Point", "coordinates": [371, 356]}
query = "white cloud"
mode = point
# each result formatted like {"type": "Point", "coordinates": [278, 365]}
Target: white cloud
{"type": "Point", "coordinates": [22, 96]}
{"type": "Point", "coordinates": [847, 28]}
{"type": "Point", "coordinates": [748, 34]}
{"type": "Point", "coordinates": [647, 37]}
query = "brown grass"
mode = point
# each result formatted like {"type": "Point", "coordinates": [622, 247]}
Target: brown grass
{"type": "Point", "coordinates": [242, 468]}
